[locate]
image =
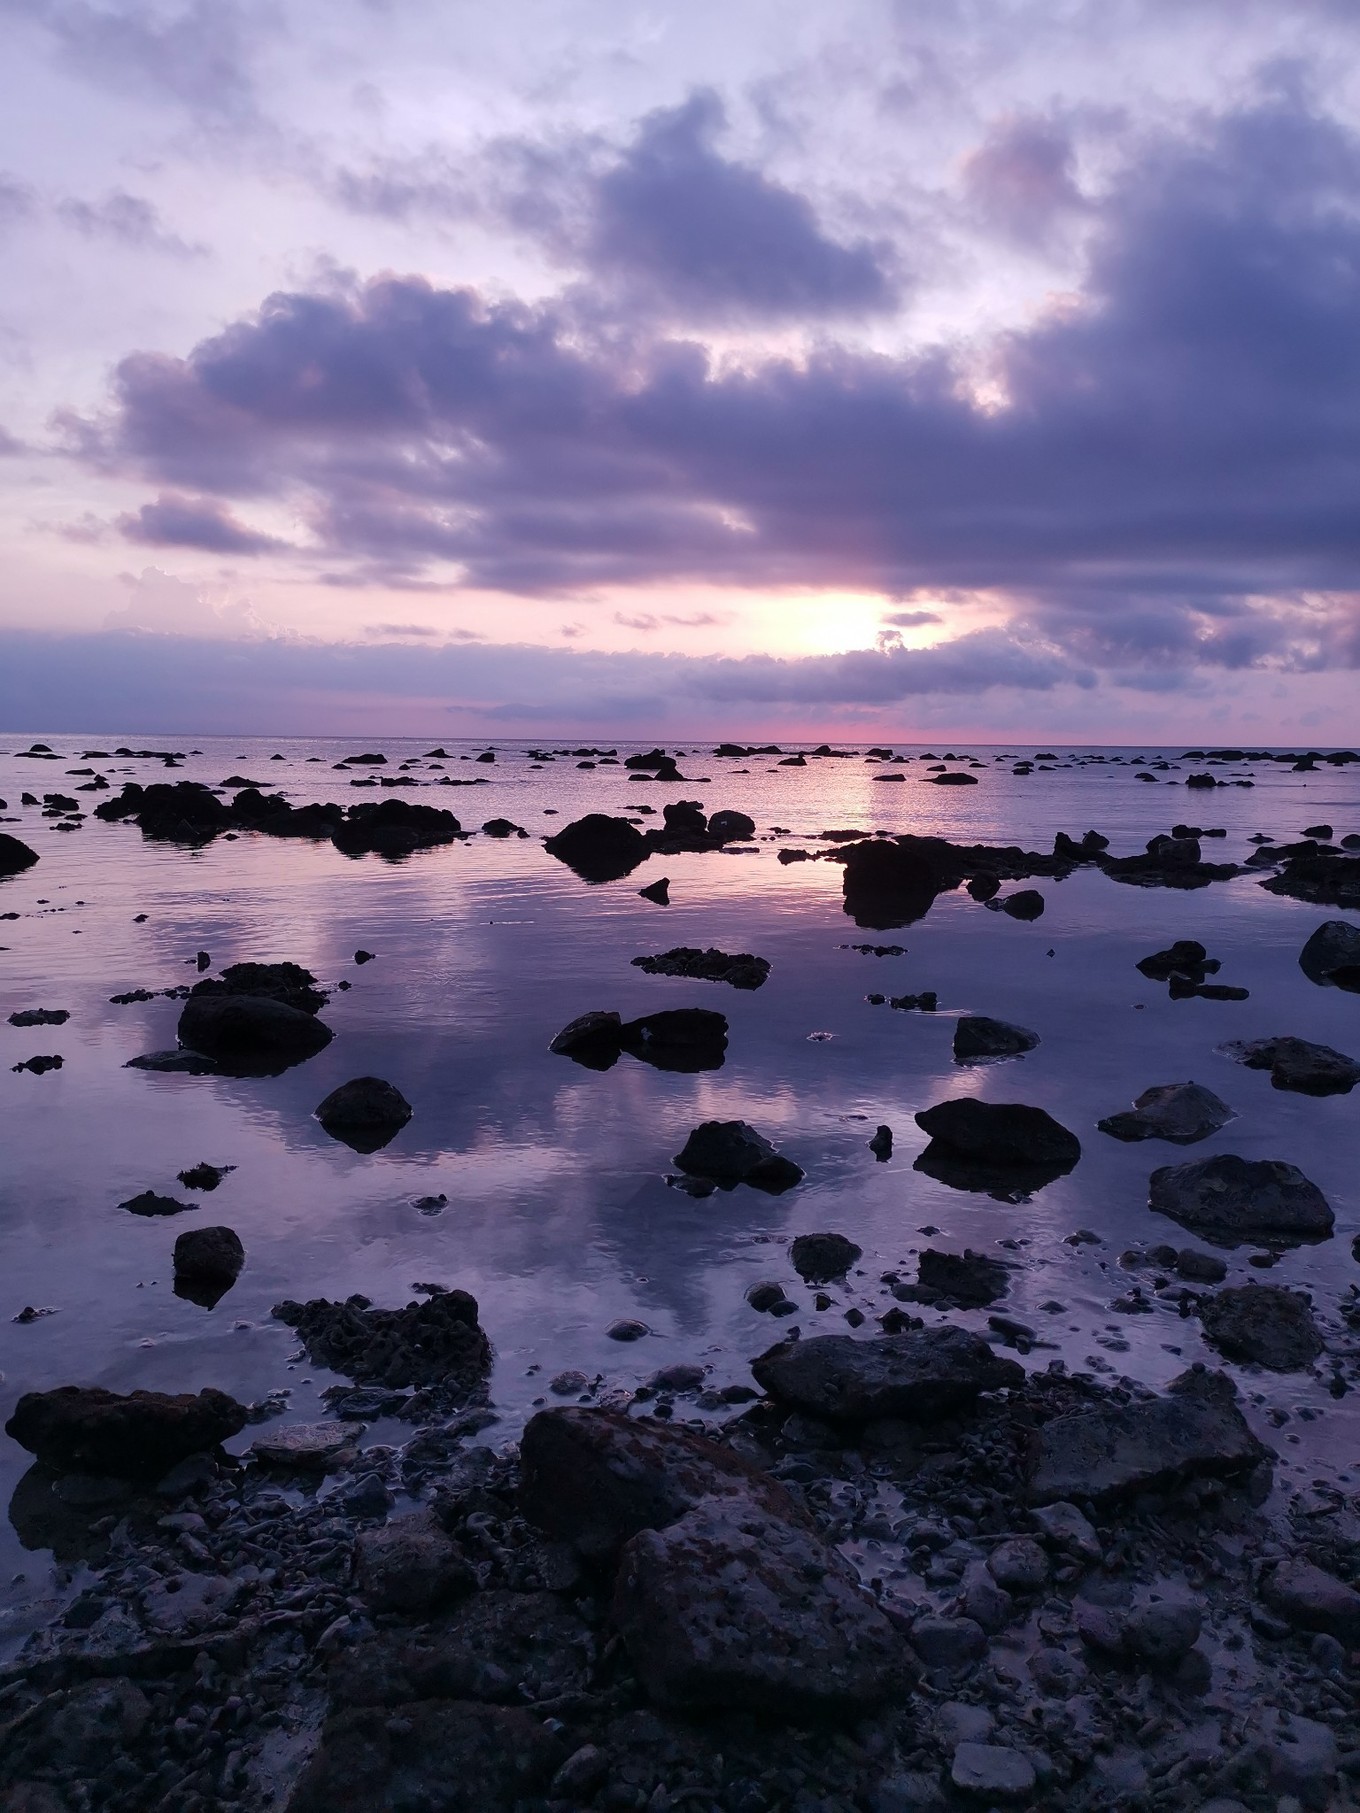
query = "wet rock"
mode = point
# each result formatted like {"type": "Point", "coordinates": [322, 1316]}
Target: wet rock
{"type": "Point", "coordinates": [306, 1447]}
{"type": "Point", "coordinates": [438, 1342]}
{"type": "Point", "coordinates": [1002, 1133]}
{"type": "Point", "coordinates": [1234, 1199]}
{"type": "Point", "coordinates": [41, 1064]}
{"type": "Point", "coordinates": [1324, 879]}
{"type": "Point", "coordinates": [204, 1176]}
{"type": "Point", "coordinates": [1297, 1755]}
{"type": "Point", "coordinates": [457, 1755]}
{"type": "Point", "coordinates": [969, 1279]}
{"type": "Point", "coordinates": [1027, 904]}
{"type": "Point", "coordinates": [599, 848]}
{"type": "Point", "coordinates": [175, 1063]}
{"type": "Point", "coordinates": [1162, 1634]}
{"type": "Point", "coordinates": [1168, 862]}
{"type": "Point", "coordinates": [1019, 1565]}
{"type": "Point", "coordinates": [977, 1036]}
{"type": "Point", "coordinates": [495, 1646]}
{"type": "Point", "coordinates": [1298, 1064]}
{"type": "Point", "coordinates": [948, 1643]}
{"type": "Point", "coordinates": [992, 1773]}
{"type": "Point", "coordinates": [207, 1263]}
{"type": "Point", "coordinates": [741, 971]}
{"type": "Point", "coordinates": [1200, 1268]}
{"type": "Point", "coordinates": [918, 1376]}
{"type": "Point", "coordinates": [1263, 1323]}
{"type": "Point", "coordinates": [1331, 957]}
{"type": "Point", "coordinates": [15, 855]}
{"type": "Point", "coordinates": [85, 1429]}
{"type": "Point", "coordinates": [1067, 1529]}
{"type": "Point", "coordinates": [822, 1258]}
{"type": "Point", "coordinates": [595, 1478]}
{"type": "Point", "coordinates": [410, 1565]}
{"type": "Point", "coordinates": [40, 1016]}
{"type": "Point", "coordinates": [881, 1144]}
{"type": "Point", "coordinates": [731, 827]}
{"type": "Point", "coordinates": [627, 1328]}
{"type": "Point", "coordinates": [393, 828]}
{"type": "Point", "coordinates": [365, 1113]}
{"type": "Point", "coordinates": [732, 1607]}
{"type": "Point", "coordinates": [594, 1039]}
{"type": "Point", "coordinates": [1311, 1599]}
{"type": "Point", "coordinates": [250, 1035]}
{"type": "Point", "coordinates": [1114, 1450]}
{"type": "Point", "coordinates": [1180, 1112]}
{"type": "Point", "coordinates": [1186, 958]}
{"type": "Point", "coordinates": [731, 1152]}
{"type": "Point", "coordinates": [770, 1299]}
{"type": "Point", "coordinates": [149, 1203]}
{"type": "Point", "coordinates": [287, 982]}
{"type": "Point", "coordinates": [684, 1039]}
{"type": "Point", "coordinates": [983, 1600]}
{"type": "Point", "coordinates": [658, 892]}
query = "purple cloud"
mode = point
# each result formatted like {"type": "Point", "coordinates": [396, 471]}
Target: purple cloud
{"type": "Point", "coordinates": [174, 521]}
{"type": "Point", "coordinates": [129, 219]}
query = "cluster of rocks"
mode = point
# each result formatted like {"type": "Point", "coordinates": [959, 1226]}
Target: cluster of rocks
{"type": "Point", "coordinates": [188, 812]}
{"type": "Point", "coordinates": [601, 847]}
{"type": "Point", "coordinates": [741, 970]}
{"type": "Point", "coordinates": [675, 1038]}
{"type": "Point", "coordinates": [1185, 967]}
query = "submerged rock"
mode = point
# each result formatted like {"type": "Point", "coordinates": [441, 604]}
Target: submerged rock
{"type": "Point", "coordinates": [438, 1342]}
{"type": "Point", "coordinates": [1116, 1450]}
{"type": "Point", "coordinates": [741, 971]}
{"type": "Point", "coordinates": [977, 1036]}
{"type": "Point", "coordinates": [1263, 1323]}
{"type": "Point", "coordinates": [150, 1202]}
{"type": "Point", "coordinates": [1180, 1112]}
{"type": "Point", "coordinates": [1234, 1199]}
{"type": "Point", "coordinates": [85, 1429]}
{"type": "Point", "coordinates": [918, 1377]}
{"type": "Point", "coordinates": [821, 1258]}
{"type": "Point", "coordinates": [365, 1113]}
{"type": "Point", "coordinates": [731, 1152]}
{"type": "Point", "coordinates": [1298, 1064]}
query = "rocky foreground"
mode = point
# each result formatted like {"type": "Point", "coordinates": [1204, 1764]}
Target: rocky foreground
{"type": "Point", "coordinates": [909, 1576]}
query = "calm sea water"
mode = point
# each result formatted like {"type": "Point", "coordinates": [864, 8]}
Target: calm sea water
{"type": "Point", "coordinates": [558, 1217]}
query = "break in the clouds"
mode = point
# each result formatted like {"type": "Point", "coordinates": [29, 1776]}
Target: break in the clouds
{"type": "Point", "coordinates": [1058, 368]}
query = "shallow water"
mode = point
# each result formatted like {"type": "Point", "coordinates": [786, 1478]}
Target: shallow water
{"type": "Point", "coordinates": [558, 1217]}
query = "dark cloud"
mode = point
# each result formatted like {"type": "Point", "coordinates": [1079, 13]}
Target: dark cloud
{"type": "Point", "coordinates": [1022, 181]}
{"type": "Point", "coordinates": [715, 237]}
{"type": "Point", "coordinates": [911, 620]}
{"type": "Point", "coordinates": [175, 521]}
{"type": "Point", "coordinates": [17, 200]}
{"type": "Point", "coordinates": [1169, 478]}
{"type": "Point", "coordinates": [130, 220]}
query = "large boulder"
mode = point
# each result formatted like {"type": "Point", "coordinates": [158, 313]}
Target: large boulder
{"type": "Point", "coordinates": [15, 855]}
{"type": "Point", "coordinates": [1117, 1450]}
{"type": "Point", "coordinates": [85, 1429]}
{"type": "Point", "coordinates": [207, 1263]}
{"type": "Point", "coordinates": [394, 827]}
{"type": "Point", "coordinates": [918, 1377]}
{"type": "Point", "coordinates": [438, 1342]}
{"type": "Point", "coordinates": [685, 1039]}
{"type": "Point", "coordinates": [1311, 1599]}
{"type": "Point", "coordinates": [730, 827]}
{"type": "Point", "coordinates": [1001, 1147]}
{"type": "Point", "coordinates": [411, 1565]}
{"type": "Point", "coordinates": [730, 1608]}
{"type": "Point", "coordinates": [250, 1035]}
{"type": "Point", "coordinates": [1263, 1323]}
{"type": "Point", "coordinates": [365, 1113]}
{"type": "Point", "coordinates": [1180, 1112]}
{"type": "Point", "coordinates": [821, 1258]}
{"type": "Point", "coordinates": [598, 847]}
{"type": "Point", "coordinates": [1232, 1199]}
{"type": "Point", "coordinates": [977, 1036]}
{"type": "Point", "coordinates": [1298, 1064]}
{"type": "Point", "coordinates": [731, 1152]}
{"type": "Point", "coordinates": [1331, 957]}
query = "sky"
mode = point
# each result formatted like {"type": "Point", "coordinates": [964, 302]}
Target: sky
{"type": "Point", "coordinates": [972, 368]}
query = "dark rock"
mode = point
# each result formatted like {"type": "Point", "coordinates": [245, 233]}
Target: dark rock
{"type": "Point", "coordinates": [627, 1328]}
{"type": "Point", "coordinates": [493, 1647]}
{"type": "Point", "coordinates": [731, 827]}
{"type": "Point", "coordinates": [410, 1565]}
{"type": "Point", "coordinates": [287, 982]}
{"type": "Point", "coordinates": [984, 887]}
{"type": "Point", "coordinates": [1299, 1065]}
{"type": "Point", "coordinates": [732, 1608]}
{"type": "Point", "coordinates": [1311, 1599]}
{"type": "Point", "coordinates": [204, 1176]}
{"type": "Point", "coordinates": [881, 1144]}
{"type": "Point", "coordinates": [1263, 1323]}
{"type": "Point", "coordinates": [686, 1039]}
{"type": "Point", "coordinates": [394, 828]}
{"type": "Point", "coordinates": [175, 1063]}
{"type": "Point", "coordinates": [658, 892]}
{"type": "Point", "coordinates": [594, 1039]}
{"type": "Point", "coordinates": [948, 1643]}
{"type": "Point", "coordinates": [250, 1035]}
{"type": "Point", "coordinates": [1331, 957]}
{"type": "Point", "coordinates": [42, 1063]}
{"type": "Point", "coordinates": [1019, 1565]}
{"type": "Point", "coordinates": [994, 1773]}
{"type": "Point", "coordinates": [207, 1263]}
{"type": "Point", "coordinates": [365, 1113]}
{"type": "Point", "coordinates": [438, 1342]}
{"type": "Point", "coordinates": [85, 1429]}
{"type": "Point", "coordinates": [741, 971]}
{"type": "Point", "coordinates": [821, 1258]}
{"type": "Point", "coordinates": [503, 827]}
{"type": "Point", "coordinates": [917, 1377]}
{"type": "Point", "coordinates": [953, 780]}
{"type": "Point", "coordinates": [1168, 862]}
{"type": "Point", "coordinates": [976, 1036]}
{"type": "Point", "coordinates": [1186, 957]}
{"type": "Point", "coordinates": [1116, 1450]}
{"type": "Point", "coordinates": [599, 848]}
{"type": "Point", "coordinates": [594, 1478]}
{"type": "Point", "coordinates": [730, 1152]}
{"type": "Point", "coordinates": [1162, 1633]}
{"type": "Point", "coordinates": [1001, 1135]}
{"type": "Point", "coordinates": [15, 855]}
{"type": "Point", "coordinates": [40, 1016]}
{"type": "Point", "coordinates": [969, 1279]}
{"type": "Point", "coordinates": [149, 1203]}
{"type": "Point", "coordinates": [1322, 879]}
{"type": "Point", "coordinates": [685, 818]}
{"type": "Point", "coordinates": [1028, 904]}
{"type": "Point", "coordinates": [457, 1755]}
{"type": "Point", "coordinates": [1180, 1112]}
{"type": "Point", "coordinates": [1234, 1199]}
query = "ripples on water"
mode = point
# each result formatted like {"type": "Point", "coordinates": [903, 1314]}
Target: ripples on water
{"type": "Point", "coordinates": [558, 1218]}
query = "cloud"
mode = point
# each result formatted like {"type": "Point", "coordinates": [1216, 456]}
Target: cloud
{"type": "Point", "coordinates": [1021, 181]}
{"type": "Point", "coordinates": [130, 220]}
{"type": "Point", "coordinates": [1160, 470]}
{"type": "Point", "coordinates": [174, 608]}
{"type": "Point", "coordinates": [655, 620]}
{"type": "Point", "coordinates": [911, 620]}
{"type": "Point", "coordinates": [718, 238]}
{"type": "Point", "coordinates": [17, 200]}
{"type": "Point", "coordinates": [177, 521]}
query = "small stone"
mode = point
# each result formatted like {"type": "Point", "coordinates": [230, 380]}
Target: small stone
{"type": "Point", "coordinates": [1163, 1634]}
{"type": "Point", "coordinates": [626, 1329]}
{"type": "Point", "coordinates": [992, 1772]}
{"type": "Point", "coordinates": [1018, 1564]}
{"type": "Point", "coordinates": [948, 1643]}
{"type": "Point", "coordinates": [305, 1446]}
